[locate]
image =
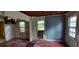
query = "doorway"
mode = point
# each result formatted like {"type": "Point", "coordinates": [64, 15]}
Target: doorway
{"type": "Point", "coordinates": [2, 36]}
{"type": "Point", "coordinates": [41, 28]}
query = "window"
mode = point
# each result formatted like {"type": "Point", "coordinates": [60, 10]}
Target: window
{"type": "Point", "coordinates": [72, 26]}
{"type": "Point", "coordinates": [41, 25]}
{"type": "Point", "coordinates": [22, 26]}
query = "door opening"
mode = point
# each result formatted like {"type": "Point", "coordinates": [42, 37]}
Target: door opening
{"type": "Point", "coordinates": [41, 28]}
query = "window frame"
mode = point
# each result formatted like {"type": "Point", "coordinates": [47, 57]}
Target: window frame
{"type": "Point", "coordinates": [20, 27]}
{"type": "Point", "coordinates": [38, 25]}
{"type": "Point", "coordinates": [74, 27]}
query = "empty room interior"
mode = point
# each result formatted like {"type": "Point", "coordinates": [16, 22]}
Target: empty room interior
{"type": "Point", "coordinates": [39, 28]}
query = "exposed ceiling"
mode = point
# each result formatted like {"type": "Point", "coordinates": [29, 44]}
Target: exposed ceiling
{"type": "Point", "coordinates": [43, 13]}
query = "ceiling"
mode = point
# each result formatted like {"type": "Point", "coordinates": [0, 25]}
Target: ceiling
{"type": "Point", "coordinates": [43, 13]}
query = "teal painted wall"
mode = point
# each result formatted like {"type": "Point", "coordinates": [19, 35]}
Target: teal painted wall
{"type": "Point", "coordinates": [54, 28]}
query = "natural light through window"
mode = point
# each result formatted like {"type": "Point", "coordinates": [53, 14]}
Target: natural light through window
{"type": "Point", "coordinates": [41, 25]}
{"type": "Point", "coordinates": [22, 26]}
{"type": "Point", "coordinates": [72, 26]}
